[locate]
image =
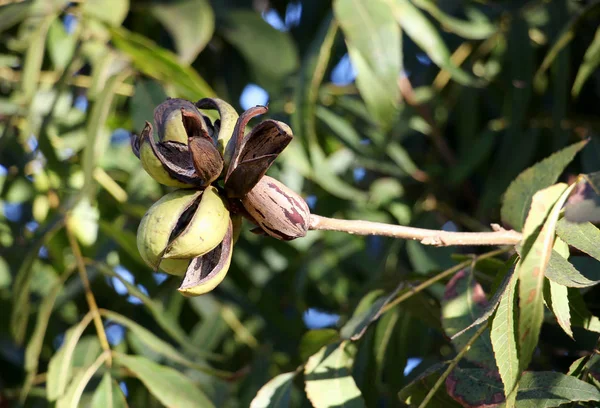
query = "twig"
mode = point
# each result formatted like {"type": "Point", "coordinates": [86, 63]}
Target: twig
{"type": "Point", "coordinates": [451, 367]}
{"type": "Point", "coordinates": [413, 291]}
{"type": "Point", "coordinates": [499, 236]}
{"type": "Point", "coordinates": [91, 300]}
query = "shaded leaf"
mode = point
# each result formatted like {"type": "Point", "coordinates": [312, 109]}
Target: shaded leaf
{"type": "Point", "coordinates": [415, 392]}
{"type": "Point", "coordinates": [557, 300]}
{"type": "Point", "coordinates": [169, 386]}
{"type": "Point", "coordinates": [424, 34]}
{"type": "Point", "coordinates": [504, 337]}
{"type": "Point", "coordinates": [360, 321]}
{"type": "Point", "coordinates": [464, 301]}
{"type": "Point", "coordinates": [591, 60]}
{"type": "Point", "coordinates": [475, 387]}
{"type": "Point", "coordinates": [60, 367]}
{"type": "Point", "coordinates": [108, 394]}
{"type": "Point", "coordinates": [373, 41]}
{"type": "Point", "coordinates": [329, 381]}
{"type": "Point", "coordinates": [73, 394]}
{"type": "Point", "coordinates": [518, 196]}
{"type": "Point", "coordinates": [276, 393]}
{"type": "Point", "coordinates": [580, 314]}
{"type": "Point", "coordinates": [584, 205]}
{"type": "Point", "coordinates": [148, 95]}
{"type": "Point", "coordinates": [191, 24]}
{"type": "Point", "coordinates": [314, 340]}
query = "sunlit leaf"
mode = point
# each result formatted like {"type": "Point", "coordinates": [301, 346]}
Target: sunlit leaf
{"type": "Point", "coordinates": [519, 194]}
{"type": "Point", "coordinates": [276, 393]}
{"type": "Point", "coordinates": [108, 394]}
{"type": "Point", "coordinates": [328, 378]}
{"type": "Point", "coordinates": [112, 12]}
{"type": "Point", "coordinates": [583, 236]}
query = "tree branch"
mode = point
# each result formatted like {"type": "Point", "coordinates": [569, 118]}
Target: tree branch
{"type": "Point", "coordinates": [499, 236]}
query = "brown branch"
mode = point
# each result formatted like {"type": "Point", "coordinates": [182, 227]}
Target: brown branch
{"type": "Point", "coordinates": [499, 236]}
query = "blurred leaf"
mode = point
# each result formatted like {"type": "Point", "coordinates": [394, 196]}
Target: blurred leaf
{"type": "Point", "coordinates": [519, 194]}
{"type": "Point", "coordinates": [12, 14]}
{"type": "Point", "coordinates": [424, 34]}
{"type": "Point", "coordinates": [112, 12]}
{"type": "Point", "coordinates": [329, 380]}
{"type": "Point", "coordinates": [108, 394]}
{"type": "Point", "coordinates": [563, 39]}
{"type": "Point", "coordinates": [361, 319]}
{"type": "Point", "coordinates": [98, 138]}
{"type": "Point", "coordinates": [61, 45]}
{"type": "Point", "coordinates": [21, 288]}
{"type": "Point", "coordinates": [34, 56]}
{"type": "Point", "coordinates": [373, 41]}
{"type": "Point", "coordinates": [584, 205]}
{"type": "Point", "coordinates": [314, 340]}
{"type": "Point", "coordinates": [591, 60]}
{"type": "Point", "coordinates": [157, 345]}
{"type": "Point", "coordinates": [83, 221]}
{"type": "Point", "coordinates": [415, 392]}
{"type": "Point", "coordinates": [191, 24]}
{"type": "Point", "coordinates": [161, 64]}
{"type": "Point", "coordinates": [535, 255]}
{"type": "Point", "coordinates": [147, 96]}
{"type": "Point", "coordinates": [169, 386]}
{"type": "Point", "coordinates": [60, 368]}
{"type": "Point", "coordinates": [477, 28]}
{"type": "Point", "coordinates": [270, 53]}
{"type": "Point", "coordinates": [464, 301]}
{"type": "Point", "coordinates": [73, 394]}
{"type": "Point", "coordinates": [583, 236]}
{"type": "Point", "coordinates": [276, 393]}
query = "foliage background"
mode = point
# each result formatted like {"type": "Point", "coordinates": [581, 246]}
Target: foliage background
{"type": "Point", "coordinates": [421, 116]}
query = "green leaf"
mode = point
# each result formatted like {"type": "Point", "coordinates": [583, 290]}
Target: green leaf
{"type": "Point", "coordinates": [580, 314]}
{"type": "Point", "coordinates": [147, 96]}
{"type": "Point", "coordinates": [474, 387]}
{"type": "Point", "coordinates": [532, 265]}
{"type": "Point", "coordinates": [61, 45]}
{"type": "Point", "coordinates": [270, 53]}
{"type": "Point", "coordinates": [98, 137]}
{"type": "Point", "coordinates": [22, 285]}
{"type": "Point", "coordinates": [463, 302]}
{"type": "Point", "coordinates": [276, 393]}
{"type": "Point", "coordinates": [504, 337]}
{"type": "Point", "coordinates": [415, 392]}
{"type": "Point", "coordinates": [561, 271]}
{"type": "Point", "coordinates": [424, 34]}
{"type": "Point", "coordinates": [83, 221]}
{"type": "Point", "coordinates": [373, 41]}
{"type": "Point", "coordinates": [161, 64]}
{"type": "Point", "coordinates": [60, 368]}
{"type": "Point", "coordinates": [73, 394]}
{"type": "Point", "coordinates": [552, 389]}
{"type": "Point", "coordinates": [591, 61]}
{"type": "Point", "coordinates": [12, 14]}
{"type": "Point", "coordinates": [169, 386]}
{"type": "Point", "coordinates": [157, 345]}
{"type": "Point", "coordinates": [507, 272]}
{"type": "Point", "coordinates": [557, 300]}
{"type": "Point", "coordinates": [328, 376]}
{"type": "Point", "coordinates": [583, 236]}
{"type": "Point", "coordinates": [112, 12]}
{"type": "Point", "coordinates": [477, 28]}
{"type": "Point", "coordinates": [191, 24]}
{"type": "Point", "coordinates": [108, 394]}
{"type": "Point", "coordinates": [314, 340]}
{"type": "Point", "coordinates": [519, 194]}
{"type": "Point", "coordinates": [361, 319]}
